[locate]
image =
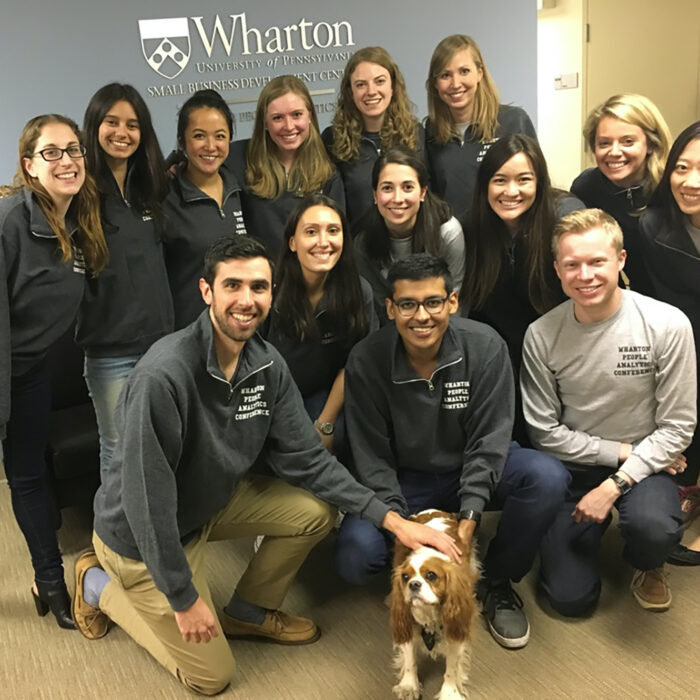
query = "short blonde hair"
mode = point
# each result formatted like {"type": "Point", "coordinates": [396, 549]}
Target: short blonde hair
{"type": "Point", "coordinates": [585, 220]}
{"type": "Point", "coordinates": [639, 111]}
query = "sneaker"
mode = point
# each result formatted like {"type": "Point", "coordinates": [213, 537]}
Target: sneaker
{"type": "Point", "coordinates": [276, 627]}
{"type": "Point", "coordinates": [90, 620]}
{"type": "Point", "coordinates": [650, 589]}
{"type": "Point", "coordinates": [503, 610]}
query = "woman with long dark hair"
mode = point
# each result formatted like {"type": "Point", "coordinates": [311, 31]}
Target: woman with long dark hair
{"type": "Point", "coordinates": [510, 280]}
{"type": "Point", "coordinates": [283, 161]}
{"type": "Point", "coordinates": [50, 237]}
{"type": "Point", "coordinates": [630, 140]}
{"type": "Point", "coordinates": [464, 118]}
{"type": "Point", "coordinates": [204, 202]}
{"type": "Point", "coordinates": [407, 218]}
{"type": "Point", "coordinates": [669, 230]}
{"type": "Point", "coordinates": [373, 113]}
{"type": "Point", "coordinates": [321, 309]}
{"type": "Point", "coordinates": [128, 307]}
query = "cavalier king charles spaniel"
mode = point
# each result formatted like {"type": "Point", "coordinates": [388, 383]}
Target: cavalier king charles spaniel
{"type": "Point", "coordinates": [433, 605]}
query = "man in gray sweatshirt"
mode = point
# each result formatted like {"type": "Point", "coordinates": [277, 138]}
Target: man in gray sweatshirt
{"type": "Point", "coordinates": [202, 406]}
{"type": "Point", "coordinates": [608, 384]}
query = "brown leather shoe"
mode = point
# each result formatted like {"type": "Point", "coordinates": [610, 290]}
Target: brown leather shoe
{"type": "Point", "coordinates": [650, 589]}
{"type": "Point", "coordinates": [91, 621]}
{"type": "Point", "coordinates": [277, 627]}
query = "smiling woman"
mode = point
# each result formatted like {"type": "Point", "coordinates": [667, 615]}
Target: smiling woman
{"type": "Point", "coordinates": [50, 232]}
{"type": "Point", "coordinates": [283, 161]}
{"type": "Point", "coordinates": [322, 308]}
{"type": "Point", "coordinates": [204, 202]}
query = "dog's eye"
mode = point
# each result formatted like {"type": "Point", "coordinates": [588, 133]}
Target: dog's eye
{"type": "Point", "coordinates": [431, 576]}
{"type": "Point", "coordinates": [404, 577]}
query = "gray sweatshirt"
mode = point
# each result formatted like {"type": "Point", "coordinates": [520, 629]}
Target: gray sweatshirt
{"type": "Point", "coordinates": [630, 378]}
{"type": "Point", "coordinates": [188, 435]}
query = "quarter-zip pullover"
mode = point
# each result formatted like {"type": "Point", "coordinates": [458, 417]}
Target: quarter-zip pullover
{"type": "Point", "coordinates": [189, 435]}
{"type": "Point", "coordinates": [461, 417]}
{"type": "Point", "coordinates": [40, 294]}
{"type": "Point", "coordinates": [194, 222]}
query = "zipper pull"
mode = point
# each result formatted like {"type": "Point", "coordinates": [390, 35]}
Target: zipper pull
{"type": "Point", "coordinates": [431, 386]}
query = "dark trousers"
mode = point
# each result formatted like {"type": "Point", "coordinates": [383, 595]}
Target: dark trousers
{"type": "Point", "coordinates": [24, 451]}
{"type": "Point", "coordinates": [650, 523]}
{"type": "Point", "coordinates": [530, 492]}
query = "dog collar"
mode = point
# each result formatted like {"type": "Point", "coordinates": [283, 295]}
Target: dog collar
{"type": "Point", "coordinates": [428, 638]}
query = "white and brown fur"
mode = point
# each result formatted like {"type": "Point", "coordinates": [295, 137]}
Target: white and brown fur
{"type": "Point", "coordinates": [431, 595]}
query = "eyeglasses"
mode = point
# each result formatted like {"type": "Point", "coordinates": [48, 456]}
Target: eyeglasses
{"type": "Point", "coordinates": [54, 153]}
{"type": "Point", "coordinates": [409, 307]}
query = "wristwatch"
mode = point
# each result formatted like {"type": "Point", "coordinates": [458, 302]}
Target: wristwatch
{"type": "Point", "coordinates": [624, 485]}
{"type": "Point", "coordinates": [471, 515]}
{"type": "Point", "coordinates": [324, 428]}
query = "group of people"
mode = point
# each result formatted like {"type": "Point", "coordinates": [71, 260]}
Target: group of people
{"type": "Point", "coordinates": [386, 317]}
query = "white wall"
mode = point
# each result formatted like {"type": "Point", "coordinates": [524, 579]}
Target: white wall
{"type": "Point", "coordinates": [560, 47]}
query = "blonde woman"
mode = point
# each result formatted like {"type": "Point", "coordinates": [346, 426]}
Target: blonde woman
{"type": "Point", "coordinates": [630, 141]}
{"type": "Point", "coordinates": [283, 161]}
{"type": "Point", "coordinates": [464, 119]}
{"type": "Point", "coordinates": [373, 113]}
{"type": "Point", "coordinates": [50, 232]}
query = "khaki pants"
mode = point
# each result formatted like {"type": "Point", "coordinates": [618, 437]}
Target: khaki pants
{"type": "Point", "coordinates": [291, 519]}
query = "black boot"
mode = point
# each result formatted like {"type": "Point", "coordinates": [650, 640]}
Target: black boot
{"type": "Point", "coordinates": [54, 596]}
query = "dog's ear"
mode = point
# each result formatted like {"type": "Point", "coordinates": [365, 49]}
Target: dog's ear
{"type": "Point", "coordinates": [459, 606]}
{"type": "Point", "coordinates": [399, 611]}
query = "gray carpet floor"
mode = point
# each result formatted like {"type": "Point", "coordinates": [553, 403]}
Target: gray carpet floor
{"type": "Point", "coordinates": [621, 651]}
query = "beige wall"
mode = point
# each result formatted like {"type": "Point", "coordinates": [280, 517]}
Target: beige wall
{"type": "Point", "coordinates": [560, 46]}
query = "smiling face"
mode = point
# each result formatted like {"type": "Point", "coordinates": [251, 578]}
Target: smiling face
{"type": "Point", "coordinates": [119, 134]}
{"type": "Point", "coordinates": [422, 332]}
{"type": "Point", "coordinates": [685, 181]}
{"type": "Point", "coordinates": [512, 189]}
{"type": "Point", "coordinates": [371, 92]}
{"type": "Point", "coordinates": [621, 151]}
{"type": "Point", "coordinates": [239, 298]}
{"type": "Point", "coordinates": [457, 83]}
{"type": "Point", "coordinates": [287, 120]}
{"type": "Point", "coordinates": [589, 266]}
{"type": "Point", "coordinates": [206, 142]}
{"type": "Point", "coordinates": [317, 241]}
{"type": "Point", "coordinates": [62, 179]}
{"type": "Point", "coordinates": [398, 197]}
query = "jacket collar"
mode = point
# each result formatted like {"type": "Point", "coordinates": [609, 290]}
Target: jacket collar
{"type": "Point", "coordinates": [191, 193]}
{"type": "Point", "coordinates": [450, 353]}
{"type": "Point", "coordinates": [38, 223]}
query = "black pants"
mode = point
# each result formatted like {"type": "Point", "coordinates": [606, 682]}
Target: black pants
{"type": "Point", "coordinates": [24, 451]}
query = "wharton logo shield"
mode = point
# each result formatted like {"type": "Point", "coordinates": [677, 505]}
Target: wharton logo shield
{"type": "Point", "coordinates": [166, 44]}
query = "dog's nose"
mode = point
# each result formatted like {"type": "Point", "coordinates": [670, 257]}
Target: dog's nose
{"type": "Point", "coordinates": [414, 586]}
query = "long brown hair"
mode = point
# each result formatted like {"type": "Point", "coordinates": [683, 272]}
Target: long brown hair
{"type": "Point", "coordinates": [441, 123]}
{"type": "Point", "coordinates": [487, 237]}
{"type": "Point", "coordinates": [264, 173]}
{"type": "Point", "coordinates": [84, 207]}
{"type": "Point", "coordinates": [399, 126]}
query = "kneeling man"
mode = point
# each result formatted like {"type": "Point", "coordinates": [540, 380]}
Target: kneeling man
{"type": "Point", "coordinates": [194, 416]}
{"type": "Point", "coordinates": [429, 410]}
{"type": "Point", "coordinates": [608, 386]}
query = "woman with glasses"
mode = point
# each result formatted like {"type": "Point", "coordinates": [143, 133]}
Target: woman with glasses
{"type": "Point", "coordinates": [373, 114]}
{"type": "Point", "coordinates": [321, 309]}
{"type": "Point", "coordinates": [284, 160]}
{"type": "Point", "coordinates": [50, 238]}
{"type": "Point", "coordinates": [407, 218]}
{"type": "Point", "coordinates": [630, 141]}
{"type": "Point", "coordinates": [128, 307]}
{"type": "Point", "coordinates": [204, 202]}
{"type": "Point", "coordinates": [510, 279]}
{"type": "Point", "coordinates": [464, 118]}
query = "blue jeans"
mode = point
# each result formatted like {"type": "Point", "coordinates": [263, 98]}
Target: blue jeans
{"type": "Point", "coordinates": [24, 451]}
{"type": "Point", "coordinates": [530, 493]}
{"type": "Point", "coordinates": [650, 523]}
{"type": "Point", "coordinates": [105, 377]}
